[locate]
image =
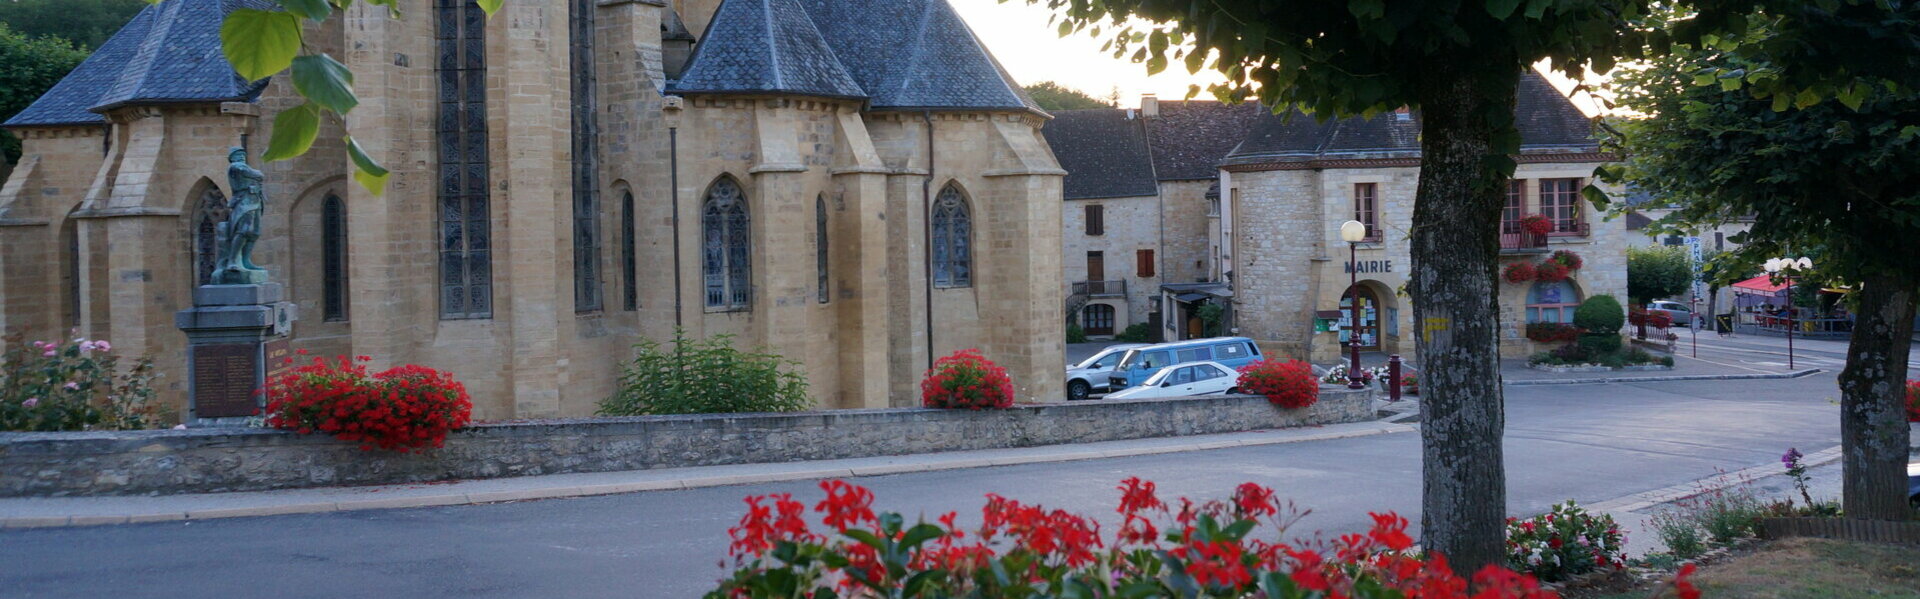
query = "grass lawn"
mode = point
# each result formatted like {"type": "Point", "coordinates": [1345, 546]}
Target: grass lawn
{"type": "Point", "coordinates": [1813, 569]}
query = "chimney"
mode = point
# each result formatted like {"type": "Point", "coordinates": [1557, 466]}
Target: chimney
{"type": "Point", "coordinates": [1149, 106]}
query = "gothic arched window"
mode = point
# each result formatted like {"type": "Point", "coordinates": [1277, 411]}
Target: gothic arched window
{"type": "Point", "coordinates": [629, 255]}
{"type": "Point", "coordinates": [952, 240]}
{"type": "Point", "coordinates": [820, 245]}
{"type": "Point", "coordinates": [586, 191]}
{"type": "Point", "coordinates": [206, 237]}
{"type": "Point", "coordinates": [723, 223]}
{"type": "Point", "coordinates": [466, 227]}
{"type": "Point", "coordinates": [333, 259]}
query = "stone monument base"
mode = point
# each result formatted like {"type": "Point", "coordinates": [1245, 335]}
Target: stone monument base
{"type": "Point", "coordinates": [236, 340]}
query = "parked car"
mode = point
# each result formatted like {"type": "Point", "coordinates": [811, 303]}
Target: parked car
{"type": "Point", "coordinates": [1681, 314]}
{"type": "Point", "coordinates": [1090, 375]}
{"type": "Point", "coordinates": [1186, 379]}
{"type": "Point", "coordinates": [1141, 363]}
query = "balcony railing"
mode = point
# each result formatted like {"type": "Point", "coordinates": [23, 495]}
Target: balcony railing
{"type": "Point", "coordinates": [1519, 240]}
{"type": "Point", "coordinates": [1579, 229]}
{"type": "Point", "coordinates": [1095, 288]}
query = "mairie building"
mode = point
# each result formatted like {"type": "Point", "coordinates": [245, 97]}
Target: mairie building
{"type": "Point", "coordinates": [854, 184]}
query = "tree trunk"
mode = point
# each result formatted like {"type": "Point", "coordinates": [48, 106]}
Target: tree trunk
{"type": "Point", "coordinates": [1873, 420]}
{"type": "Point", "coordinates": [1456, 314]}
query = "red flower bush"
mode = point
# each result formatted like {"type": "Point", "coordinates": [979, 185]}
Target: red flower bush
{"type": "Point", "coordinates": [1551, 272]}
{"type": "Point", "coordinates": [1173, 548]}
{"type": "Point", "coordinates": [1289, 384]}
{"type": "Point", "coordinates": [1519, 272]}
{"type": "Point", "coordinates": [1564, 543]}
{"type": "Point", "coordinates": [403, 409]}
{"type": "Point", "coordinates": [1536, 224]}
{"type": "Point", "coordinates": [966, 380]}
{"type": "Point", "coordinates": [1411, 383]}
{"type": "Point", "coordinates": [1568, 259]}
{"type": "Point", "coordinates": [1643, 317]}
{"type": "Point", "coordinates": [1552, 332]}
{"type": "Point", "coordinates": [1913, 401]}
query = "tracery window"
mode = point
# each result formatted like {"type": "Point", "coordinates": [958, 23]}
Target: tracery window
{"type": "Point", "coordinates": [466, 229]}
{"type": "Point", "coordinates": [952, 240]}
{"type": "Point", "coordinates": [723, 223]}
{"type": "Point", "coordinates": [820, 246]}
{"type": "Point", "coordinates": [586, 192]}
{"type": "Point", "coordinates": [212, 211]}
{"type": "Point", "coordinates": [333, 259]}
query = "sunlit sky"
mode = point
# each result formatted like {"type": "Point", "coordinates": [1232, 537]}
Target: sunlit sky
{"type": "Point", "coordinates": [1033, 51]}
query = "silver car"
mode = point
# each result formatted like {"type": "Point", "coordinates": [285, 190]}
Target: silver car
{"type": "Point", "coordinates": [1090, 375]}
{"type": "Point", "coordinates": [1681, 314]}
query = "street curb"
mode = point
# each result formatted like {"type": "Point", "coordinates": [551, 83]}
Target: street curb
{"type": "Point", "coordinates": [1023, 455]}
{"type": "Point", "coordinates": [1644, 500]}
{"type": "Point", "coordinates": [1662, 379]}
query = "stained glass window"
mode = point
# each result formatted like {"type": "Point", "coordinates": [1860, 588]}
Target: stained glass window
{"type": "Point", "coordinates": [629, 255]}
{"type": "Point", "coordinates": [586, 193]}
{"type": "Point", "coordinates": [466, 230]}
{"type": "Point", "coordinates": [723, 224]}
{"type": "Point", "coordinates": [213, 210]}
{"type": "Point", "coordinates": [333, 259]}
{"type": "Point", "coordinates": [820, 246]}
{"type": "Point", "coordinates": [952, 240]}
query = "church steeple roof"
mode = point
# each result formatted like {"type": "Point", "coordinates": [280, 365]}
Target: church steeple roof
{"type": "Point", "coordinates": [168, 53]}
{"type": "Point", "coordinates": [765, 46]}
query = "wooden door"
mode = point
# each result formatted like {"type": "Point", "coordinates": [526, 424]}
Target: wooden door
{"type": "Point", "coordinates": [1096, 272]}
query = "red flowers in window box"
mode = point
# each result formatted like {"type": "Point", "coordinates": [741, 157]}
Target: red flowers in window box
{"type": "Point", "coordinates": [1568, 259]}
{"type": "Point", "coordinates": [1552, 332]}
{"type": "Point", "coordinates": [1518, 272]}
{"type": "Point", "coordinates": [966, 380]}
{"type": "Point", "coordinates": [1536, 224]}
{"type": "Point", "coordinates": [1289, 384]}
{"type": "Point", "coordinates": [403, 409]}
{"type": "Point", "coordinates": [1551, 272]}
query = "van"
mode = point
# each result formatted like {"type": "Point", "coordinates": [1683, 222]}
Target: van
{"type": "Point", "coordinates": [1141, 363]}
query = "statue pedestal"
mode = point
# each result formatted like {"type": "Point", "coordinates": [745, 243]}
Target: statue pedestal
{"type": "Point", "coordinates": [236, 340]}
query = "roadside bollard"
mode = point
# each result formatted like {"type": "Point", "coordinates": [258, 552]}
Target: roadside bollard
{"type": "Point", "coordinates": [1393, 377]}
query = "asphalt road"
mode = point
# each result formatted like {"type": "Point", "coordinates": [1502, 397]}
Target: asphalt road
{"type": "Point", "coordinates": [1588, 442]}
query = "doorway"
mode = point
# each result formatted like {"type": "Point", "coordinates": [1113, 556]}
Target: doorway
{"type": "Point", "coordinates": [1367, 331]}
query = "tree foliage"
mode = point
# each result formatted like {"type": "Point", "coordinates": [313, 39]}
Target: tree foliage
{"type": "Point", "coordinates": [1658, 272]}
{"type": "Point", "coordinates": [29, 66]}
{"type": "Point", "coordinates": [1053, 96]}
{"type": "Point", "coordinates": [86, 23]}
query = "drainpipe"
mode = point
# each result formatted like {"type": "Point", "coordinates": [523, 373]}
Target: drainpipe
{"type": "Point", "coordinates": [672, 109]}
{"type": "Point", "coordinates": [926, 229]}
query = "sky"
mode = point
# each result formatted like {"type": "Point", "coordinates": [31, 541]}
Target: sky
{"type": "Point", "coordinates": [1032, 50]}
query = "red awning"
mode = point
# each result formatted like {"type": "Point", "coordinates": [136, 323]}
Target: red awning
{"type": "Point", "coordinates": [1762, 283]}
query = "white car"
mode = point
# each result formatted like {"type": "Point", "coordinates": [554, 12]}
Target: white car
{"type": "Point", "coordinates": [1185, 380]}
{"type": "Point", "coordinates": [1090, 375]}
{"type": "Point", "coordinates": [1682, 315]}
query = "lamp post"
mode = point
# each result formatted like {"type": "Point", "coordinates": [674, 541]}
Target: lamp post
{"type": "Point", "coordinates": [1352, 232]}
{"type": "Point", "coordinates": [1785, 267]}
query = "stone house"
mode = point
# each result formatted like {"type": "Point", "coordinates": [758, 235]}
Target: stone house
{"type": "Point", "coordinates": [1293, 180]}
{"type": "Point", "coordinates": [1141, 200]}
{"type": "Point", "coordinates": [854, 184]}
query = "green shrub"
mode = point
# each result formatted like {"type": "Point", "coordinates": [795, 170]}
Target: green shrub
{"type": "Point", "coordinates": [1726, 514]}
{"type": "Point", "coordinates": [1600, 315]}
{"type": "Point", "coordinates": [1137, 332]}
{"type": "Point", "coordinates": [1075, 334]}
{"type": "Point", "coordinates": [76, 385]}
{"type": "Point", "coordinates": [1678, 532]}
{"type": "Point", "coordinates": [706, 377]}
{"type": "Point", "coordinates": [1600, 345]}
{"type": "Point", "coordinates": [1666, 361]}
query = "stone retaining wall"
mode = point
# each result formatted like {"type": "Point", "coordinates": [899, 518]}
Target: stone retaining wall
{"type": "Point", "coordinates": [212, 460]}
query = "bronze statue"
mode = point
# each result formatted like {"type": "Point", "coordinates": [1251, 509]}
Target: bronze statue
{"type": "Point", "coordinates": [242, 229]}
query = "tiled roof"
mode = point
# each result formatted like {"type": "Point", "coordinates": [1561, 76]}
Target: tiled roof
{"type": "Point", "coordinates": [765, 46]}
{"type": "Point", "coordinates": [1104, 152]}
{"type": "Point", "coordinates": [168, 53]}
{"type": "Point", "coordinates": [900, 54]}
{"type": "Point", "coordinates": [1189, 138]}
{"type": "Point", "coordinates": [1548, 122]}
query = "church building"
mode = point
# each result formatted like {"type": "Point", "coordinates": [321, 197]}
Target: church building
{"type": "Point", "coordinates": [854, 184]}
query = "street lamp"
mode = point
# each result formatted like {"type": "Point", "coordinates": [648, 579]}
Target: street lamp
{"type": "Point", "coordinates": [1352, 232]}
{"type": "Point", "coordinates": [1785, 267]}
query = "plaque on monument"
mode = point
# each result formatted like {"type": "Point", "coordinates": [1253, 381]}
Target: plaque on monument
{"type": "Point", "coordinates": [224, 378]}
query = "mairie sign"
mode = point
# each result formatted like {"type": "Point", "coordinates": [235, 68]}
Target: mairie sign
{"type": "Point", "coordinates": [1369, 266]}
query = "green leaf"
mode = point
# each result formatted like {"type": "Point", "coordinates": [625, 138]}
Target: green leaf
{"type": "Point", "coordinates": [1806, 99]}
{"type": "Point", "coordinates": [294, 130]}
{"type": "Point", "coordinates": [316, 10]}
{"type": "Point", "coordinates": [1367, 9]}
{"type": "Point", "coordinates": [366, 171]}
{"type": "Point", "coordinates": [260, 43]}
{"type": "Point", "coordinates": [491, 6]}
{"type": "Point", "coordinates": [864, 537]}
{"type": "Point", "coordinates": [1597, 196]}
{"type": "Point", "coordinates": [1501, 9]}
{"type": "Point", "coordinates": [920, 533]}
{"type": "Point", "coordinates": [325, 82]}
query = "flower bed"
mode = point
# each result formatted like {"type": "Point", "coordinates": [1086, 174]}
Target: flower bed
{"type": "Point", "coordinates": [1288, 384]}
{"type": "Point", "coordinates": [402, 409]}
{"type": "Point", "coordinates": [1565, 543]}
{"type": "Point", "coordinates": [76, 385]}
{"type": "Point", "coordinates": [966, 380]}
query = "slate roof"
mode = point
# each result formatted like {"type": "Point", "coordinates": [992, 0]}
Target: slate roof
{"type": "Point", "coordinates": [168, 53]}
{"type": "Point", "coordinates": [900, 54]}
{"type": "Point", "coordinates": [1548, 122]}
{"type": "Point", "coordinates": [1104, 153]}
{"type": "Point", "coordinates": [1189, 138]}
{"type": "Point", "coordinates": [766, 46]}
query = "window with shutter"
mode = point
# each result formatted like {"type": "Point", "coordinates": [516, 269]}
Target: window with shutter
{"type": "Point", "coordinates": [1143, 263]}
{"type": "Point", "coordinates": [1096, 219]}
